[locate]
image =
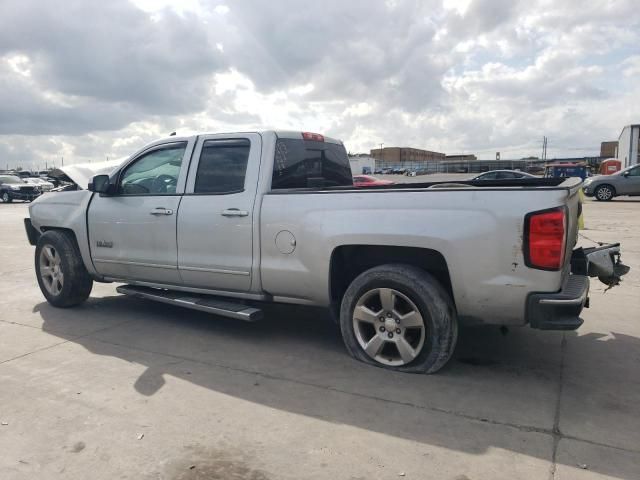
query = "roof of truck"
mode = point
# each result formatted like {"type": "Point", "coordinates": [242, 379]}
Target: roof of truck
{"type": "Point", "coordinates": [294, 134]}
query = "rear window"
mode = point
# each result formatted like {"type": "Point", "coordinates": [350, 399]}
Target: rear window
{"type": "Point", "coordinates": [310, 164]}
{"type": "Point", "coordinates": [223, 166]}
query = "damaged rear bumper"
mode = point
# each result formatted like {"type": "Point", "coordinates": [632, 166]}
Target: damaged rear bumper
{"type": "Point", "coordinates": [561, 310]}
{"type": "Point", "coordinates": [602, 262]}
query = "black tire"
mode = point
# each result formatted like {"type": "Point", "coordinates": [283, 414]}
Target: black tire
{"type": "Point", "coordinates": [6, 197]}
{"type": "Point", "coordinates": [77, 283]}
{"type": "Point", "coordinates": [604, 193]}
{"type": "Point", "coordinates": [432, 301]}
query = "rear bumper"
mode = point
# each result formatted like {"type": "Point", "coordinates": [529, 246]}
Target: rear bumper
{"type": "Point", "coordinates": [561, 310]}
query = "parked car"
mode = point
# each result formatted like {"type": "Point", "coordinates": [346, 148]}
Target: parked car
{"type": "Point", "coordinates": [215, 222]}
{"type": "Point", "coordinates": [14, 188]}
{"type": "Point", "coordinates": [503, 175]}
{"type": "Point", "coordinates": [605, 187]}
{"type": "Point", "coordinates": [369, 181]}
{"type": "Point", "coordinates": [44, 185]}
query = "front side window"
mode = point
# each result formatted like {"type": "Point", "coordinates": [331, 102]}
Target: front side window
{"type": "Point", "coordinates": [488, 176]}
{"type": "Point", "coordinates": [309, 163]}
{"type": "Point", "coordinates": [155, 173]}
{"type": "Point", "coordinates": [634, 172]}
{"type": "Point", "coordinates": [222, 166]}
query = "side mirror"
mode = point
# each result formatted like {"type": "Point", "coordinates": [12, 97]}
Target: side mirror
{"type": "Point", "coordinates": [626, 174]}
{"type": "Point", "coordinates": [99, 184]}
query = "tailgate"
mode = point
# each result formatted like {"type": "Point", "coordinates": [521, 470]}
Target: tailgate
{"type": "Point", "coordinates": [574, 210]}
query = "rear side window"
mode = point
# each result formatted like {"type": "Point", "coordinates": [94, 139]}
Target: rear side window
{"type": "Point", "coordinates": [310, 164]}
{"type": "Point", "coordinates": [222, 166]}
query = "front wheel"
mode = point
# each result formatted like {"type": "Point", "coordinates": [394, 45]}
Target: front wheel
{"type": "Point", "coordinates": [63, 278]}
{"type": "Point", "coordinates": [6, 198]}
{"type": "Point", "coordinates": [399, 317]}
{"type": "Point", "coordinates": [604, 193]}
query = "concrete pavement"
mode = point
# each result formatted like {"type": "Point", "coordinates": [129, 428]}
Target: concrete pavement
{"type": "Point", "coordinates": [124, 388]}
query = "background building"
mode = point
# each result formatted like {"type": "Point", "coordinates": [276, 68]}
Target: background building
{"type": "Point", "coordinates": [404, 157]}
{"type": "Point", "coordinates": [608, 149]}
{"type": "Point", "coordinates": [461, 158]}
{"type": "Point", "coordinates": [628, 151]}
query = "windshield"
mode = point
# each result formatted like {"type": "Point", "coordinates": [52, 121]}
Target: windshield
{"type": "Point", "coordinates": [10, 180]}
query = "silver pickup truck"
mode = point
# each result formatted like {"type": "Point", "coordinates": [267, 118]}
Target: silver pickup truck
{"type": "Point", "coordinates": [224, 222]}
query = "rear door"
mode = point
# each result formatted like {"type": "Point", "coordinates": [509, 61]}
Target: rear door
{"type": "Point", "coordinates": [216, 216]}
{"type": "Point", "coordinates": [132, 233]}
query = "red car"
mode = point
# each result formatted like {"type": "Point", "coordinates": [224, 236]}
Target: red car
{"type": "Point", "coordinates": [369, 181]}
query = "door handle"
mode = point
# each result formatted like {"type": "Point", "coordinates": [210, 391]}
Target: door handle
{"type": "Point", "coordinates": [234, 212]}
{"type": "Point", "coordinates": [161, 211]}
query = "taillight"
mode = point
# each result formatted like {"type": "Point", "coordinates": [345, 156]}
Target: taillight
{"type": "Point", "coordinates": [316, 137]}
{"type": "Point", "coordinates": [545, 239]}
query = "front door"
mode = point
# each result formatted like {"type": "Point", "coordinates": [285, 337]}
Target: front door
{"type": "Point", "coordinates": [132, 233]}
{"type": "Point", "coordinates": [629, 184]}
{"type": "Point", "coordinates": [216, 216]}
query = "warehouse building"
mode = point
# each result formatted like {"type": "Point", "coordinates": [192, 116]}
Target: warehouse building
{"type": "Point", "coordinates": [628, 151]}
{"type": "Point", "coordinates": [461, 158]}
{"type": "Point", "coordinates": [404, 157]}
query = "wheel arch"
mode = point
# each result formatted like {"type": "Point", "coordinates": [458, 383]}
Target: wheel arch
{"type": "Point", "coordinates": [349, 261]}
{"type": "Point", "coordinates": [84, 249]}
{"type": "Point", "coordinates": [45, 229]}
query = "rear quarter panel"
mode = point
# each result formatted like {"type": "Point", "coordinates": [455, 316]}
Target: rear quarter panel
{"type": "Point", "coordinates": [479, 232]}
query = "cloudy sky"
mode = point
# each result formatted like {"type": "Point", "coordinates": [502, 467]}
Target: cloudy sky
{"type": "Point", "coordinates": [89, 80]}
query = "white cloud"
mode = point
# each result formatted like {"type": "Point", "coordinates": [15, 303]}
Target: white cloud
{"type": "Point", "coordinates": [91, 80]}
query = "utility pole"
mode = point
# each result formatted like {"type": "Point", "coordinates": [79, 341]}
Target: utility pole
{"type": "Point", "coordinates": [544, 148]}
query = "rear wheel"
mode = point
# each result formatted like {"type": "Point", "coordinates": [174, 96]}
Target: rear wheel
{"type": "Point", "coordinates": [399, 317]}
{"type": "Point", "coordinates": [604, 193]}
{"type": "Point", "coordinates": [63, 278]}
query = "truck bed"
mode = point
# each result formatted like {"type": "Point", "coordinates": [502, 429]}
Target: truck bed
{"type": "Point", "coordinates": [521, 183]}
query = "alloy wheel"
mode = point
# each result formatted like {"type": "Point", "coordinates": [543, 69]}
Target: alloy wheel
{"type": "Point", "coordinates": [604, 193]}
{"type": "Point", "coordinates": [51, 270]}
{"type": "Point", "coordinates": [389, 327]}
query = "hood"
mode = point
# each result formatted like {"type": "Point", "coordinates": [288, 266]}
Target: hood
{"type": "Point", "coordinates": [595, 178]}
{"type": "Point", "coordinates": [82, 173]}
